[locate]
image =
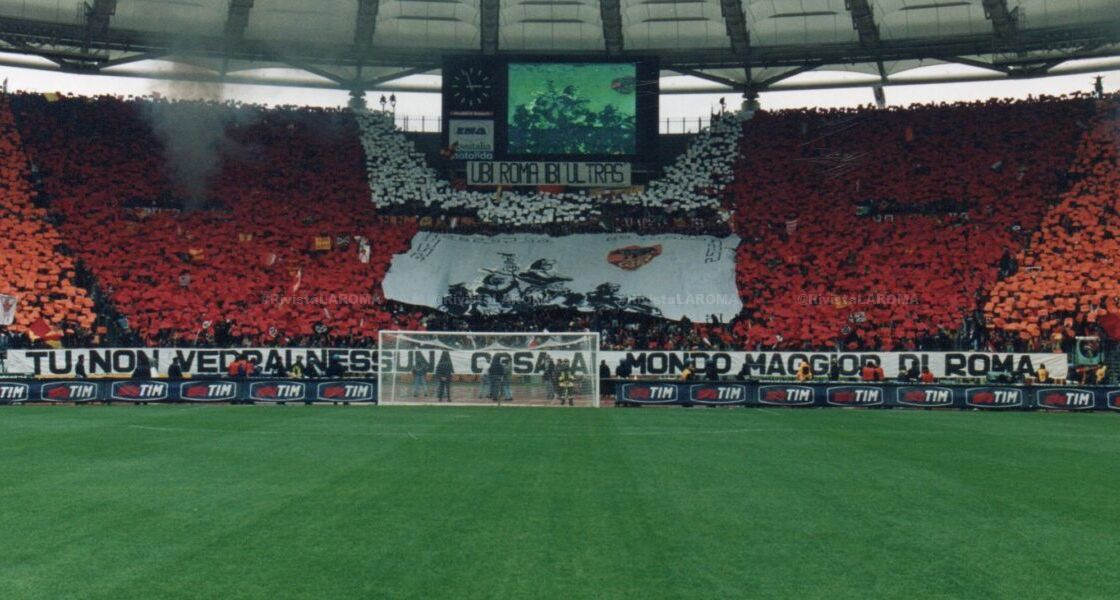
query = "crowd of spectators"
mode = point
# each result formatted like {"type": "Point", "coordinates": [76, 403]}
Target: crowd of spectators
{"type": "Point", "coordinates": [862, 229]}
{"type": "Point", "coordinates": [1068, 280]}
{"type": "Point", "coordinates": [35, 272]}
{"type": "Point", "coordinates": [274, 257]}
{"type": "Point", "coordinates": [885, 228]}
{"type": "Point", "coordinates": [693, 184]}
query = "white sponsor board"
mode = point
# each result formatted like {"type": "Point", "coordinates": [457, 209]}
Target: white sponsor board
{"type": "Point", "coordinates": [571, 174]}
{"type": "Point", "coordinates": [471, 138]}
{"type": "Point", "coordinates": [646, 363]}
{"type": "Point", "coordinates": [671, 276]}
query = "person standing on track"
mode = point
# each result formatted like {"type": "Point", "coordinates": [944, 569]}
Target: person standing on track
{"type": "Point", "coordinates": [566, 382]}
{"type": "Point", "coordinates": [507, 382]}
{"type": "Point", "coordinates": [420, 370]}
{"type": "Point", "coordinates": [496, 375]}
{"type": "Point", "coordinates": [549, 378]}
{"type": "Point", "coordinates": [444, 372]}
{"type": "Point", "coordinates": [483, 385]}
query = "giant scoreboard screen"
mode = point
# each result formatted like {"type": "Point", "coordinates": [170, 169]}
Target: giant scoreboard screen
{"type": "Point", "coordinates": [534, 110]}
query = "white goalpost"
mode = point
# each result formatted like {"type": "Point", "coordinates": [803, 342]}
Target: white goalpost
{"type": "Point", "coordinates": [530, 368]}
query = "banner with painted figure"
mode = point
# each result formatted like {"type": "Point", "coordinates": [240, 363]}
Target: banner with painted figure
{"type": "Point", "coordinates": [670, 276]}
{"type": "Point", "coordinates": [8, 309]}
{"type": "Point", "coordinates": [366, 362]}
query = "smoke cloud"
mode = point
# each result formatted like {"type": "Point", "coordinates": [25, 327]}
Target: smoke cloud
{"type": "Point", "coordinates": [191, 123]}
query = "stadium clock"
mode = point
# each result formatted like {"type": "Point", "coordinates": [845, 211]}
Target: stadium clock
{"type": "Point", "coordinates": [471, 87]}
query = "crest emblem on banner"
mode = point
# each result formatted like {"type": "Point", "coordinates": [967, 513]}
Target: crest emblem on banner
{"type": "Point", "coordinates": [632, 258]}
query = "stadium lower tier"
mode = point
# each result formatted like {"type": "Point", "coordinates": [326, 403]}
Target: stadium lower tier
{"type": "Point", "coordinates": [626, 393]}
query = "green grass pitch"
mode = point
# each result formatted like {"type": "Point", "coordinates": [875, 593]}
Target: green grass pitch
{"type": "Point", "coordinates": [438, 502]}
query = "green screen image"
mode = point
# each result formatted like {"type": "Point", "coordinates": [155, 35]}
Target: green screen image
{"type": "Point", "coordinates": [572, 108]}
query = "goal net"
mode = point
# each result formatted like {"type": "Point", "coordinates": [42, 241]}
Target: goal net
{"type": "Point", "coordinates": [488, 368]}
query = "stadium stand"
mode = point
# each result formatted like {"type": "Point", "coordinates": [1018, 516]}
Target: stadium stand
{"type": "Point", "coordinates": [1067, 280]}
{"type": "Point", "coordinates": [246, 268]}
{"type": "Point", "coordinates": [863, 228]}
{"type": "Point", "coordinates": [34, 268]}
{"type": "Point", "coordinates": [398, 177]}
{"type": "Point", "coordinates": [884, 228]}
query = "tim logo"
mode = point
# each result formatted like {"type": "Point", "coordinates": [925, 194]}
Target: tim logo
{"type": "Point", "coordinates": [14, 392]}
{"type": "Point", "coordinates": [68, 391]}
{"type": "Point", "coordinates": [925, 396]}
{"type": "Point", "coordinates": [717, 394]}
{"type": "Point", "coordinates": [994, 398]}
{"type": "Point", "coordinates": [476, 130]}
{"type": "Point", "coordinates": [345, 391]}
{"type": "Point", "coordinates": [786, 395]}
{"type": "Point", "coordinates": [208, 391]}
{"type": "Point", "coordinates": [139, 391]}
{"type": "Point", "coordinates": [650, 393]}
{"type": "Point", "coordinates": [1065, 399]}
{"type": "Point", "coordinates": [1114, 400]}
{"type": "Point", "coordinates": [855, 395]}
{"type": "Point", "coordinates": [276, 391]}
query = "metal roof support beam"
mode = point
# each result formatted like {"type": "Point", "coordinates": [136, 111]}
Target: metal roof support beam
{"type": "Point", "coordinates": [732, 11]}
{"type": "Point", "coordinates": [125, 60]}
{"type": "Point", "coordinates": [979, 64]}
{"type": "Point", "coordinates": [863, 19]}
{"type": "Point", "coordinates": [611, 13]}
{"type": "Point", "coordinates": [238, 18]}
{"type": "Point", "coordinates": [1004, 22]}
{"type": "Point", "coordinates": [365, 25]}
{"type": "Point", "coordinates": [805, 68]}
{"type": "Point", "coordinates": [98, 15]}
{"type": "Point", "coordinates": [489, 21]}
{"type": "Point", "coordinates": [320, 72]}
{"type": "Point", "coordinates": [371, 84]}
{"type": "Point", "coordinates": [1034, 70]}
{"type": "Point", "coordinates": [731, 83]}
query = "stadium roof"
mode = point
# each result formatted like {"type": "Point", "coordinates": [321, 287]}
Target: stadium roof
{"type": "Point", "coordinates": [367, 44]}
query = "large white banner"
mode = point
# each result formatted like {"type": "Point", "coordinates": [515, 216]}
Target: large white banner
{"type": "Point", "coordinates": [671, 276]}
{"type": "Point", "coordinates": [645, 363]}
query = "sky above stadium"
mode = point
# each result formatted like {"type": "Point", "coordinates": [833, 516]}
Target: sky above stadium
{"type": "Point", "coordinates": [672, 106]}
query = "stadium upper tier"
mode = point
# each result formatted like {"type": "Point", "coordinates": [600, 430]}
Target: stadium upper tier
{"type": "Point", "coordinates": [367, 44]}
{"type": "Point", "coordinates": [884, 229]}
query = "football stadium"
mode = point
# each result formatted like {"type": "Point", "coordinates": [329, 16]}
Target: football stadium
{"type": "Point", "coordinates": [559, 298]}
